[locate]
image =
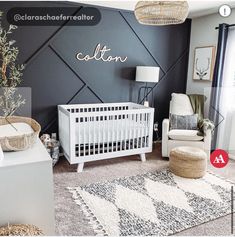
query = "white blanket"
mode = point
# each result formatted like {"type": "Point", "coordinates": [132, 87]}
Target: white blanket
{"type": "Point", "coordinates": [15, 129]}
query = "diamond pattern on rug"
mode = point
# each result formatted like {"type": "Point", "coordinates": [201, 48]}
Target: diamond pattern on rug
{"type": "Point", "coordinates": [169, 194]}
{"type": "Point", "coordinates": [136, 183]}
{"type": "Point", "coordinates": [211, 179]}
{"type": "Point", "coordinates": [104, 211]}
{"type": "Point", "coordinates": [131, 224]}
{"type": "Point", "coordinates": [222, 192]}
{"type": "Point", "coordinates": [136, 203]}
{"type": "Point", "coordinates": [104, 190]}
{"type": "Point", "coordinates": [157, 203]}
{"type": "Point", "coordinates": [166, 177]}
{"type": "Point", "coordinates": [174, 218]}
{"type": "Point", "coordinates": [213, 209]}
{"type": "Point", "coordinates": [197, 186]}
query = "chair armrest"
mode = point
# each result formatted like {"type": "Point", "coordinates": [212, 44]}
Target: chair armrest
{"type": "Point", "coordinates": [207, 142]}
{"type": "Point", "coordinates": [165, 126]}
{"type": "Point", "coordinates": [165, 130]}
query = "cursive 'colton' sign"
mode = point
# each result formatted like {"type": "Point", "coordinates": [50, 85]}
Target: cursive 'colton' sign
{"type": "Point", "coordinates": [100, 55]}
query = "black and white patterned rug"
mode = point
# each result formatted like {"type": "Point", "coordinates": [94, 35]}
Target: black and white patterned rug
{"type": "Point", "coordinates": [158, 203]}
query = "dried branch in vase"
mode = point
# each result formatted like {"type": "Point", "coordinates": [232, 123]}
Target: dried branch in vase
{"type": "Point", "coordinates": [10, 73]}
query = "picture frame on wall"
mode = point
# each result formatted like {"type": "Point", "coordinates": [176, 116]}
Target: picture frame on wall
{"type": "Point", "coordinates": [204, 62]}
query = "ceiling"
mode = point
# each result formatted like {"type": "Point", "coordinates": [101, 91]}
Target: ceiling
{"type": "Point", "coordinates": [197, 8]}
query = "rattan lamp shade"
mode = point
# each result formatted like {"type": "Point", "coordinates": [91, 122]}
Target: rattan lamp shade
{"type": "Point", "coordinates": [161, 12]}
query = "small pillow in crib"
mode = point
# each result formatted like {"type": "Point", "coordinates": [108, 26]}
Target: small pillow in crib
{"type": "Point", "coordinates": [15, 129]}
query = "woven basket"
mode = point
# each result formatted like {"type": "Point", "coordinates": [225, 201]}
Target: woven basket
{"type": "Point", "coordinates": [20, 230]}
{"type": "Point", "coordinates": [188, 162]}
{"type": "Point", "coordinates": [22, 142]}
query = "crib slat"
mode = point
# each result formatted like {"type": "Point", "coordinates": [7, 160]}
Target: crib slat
{"type": "Point", "coordinates": [129, 133]}
{"type": "Point", "coordinates": [144, 135]}
{"type": "Point", "coordinates": [138, 128]}
{"type": "Point", "coordinates": [84, 136]}
{"type": "Point", "coordinates": [132, 130]}
{"type": "Point", "coordinates": [134, 133]}
{"type": "Point", "coordinates": [94, 122]}
{"type": "Point", "coordinates": [146, 129]}
{"type": "Point", "coordinates": [141, 130]}
{"type": "Point", "coordinates": [98, 121]}
{"type": "Point", "coordinates": [125, 136]}
{"type": "Point", "coordinates": [137, 131]}
{"type": "Point", "coordinates": [112, 132]}
{"type": "Point", "coordinates": [89, 135]}
{"type": "Point", "coordinates": [124, 126]}
{"type": "Point", "coordinates": [121, 133]}
{"type": "Point", "coordinates": [79, 140]}
{"type": "Point", "coordinates": [103, 125]}
{"type": "Point", "coordinates": [117, 134]}
{"type": "Point", "coordinates": [108, 133]}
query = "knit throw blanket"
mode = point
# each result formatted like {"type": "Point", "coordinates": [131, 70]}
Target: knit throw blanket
{"type": "Point", "coordinates": [197, 102]}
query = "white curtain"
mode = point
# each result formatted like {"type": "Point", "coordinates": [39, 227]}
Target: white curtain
{"type": "Point", "coordinates": [226, 130]}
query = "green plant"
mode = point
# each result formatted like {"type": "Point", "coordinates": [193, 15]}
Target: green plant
{"type": "Point", "coordinates": [10, 72]}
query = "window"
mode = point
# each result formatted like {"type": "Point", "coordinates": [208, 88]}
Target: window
{"type": "Point", "coordinates": [227, 99]}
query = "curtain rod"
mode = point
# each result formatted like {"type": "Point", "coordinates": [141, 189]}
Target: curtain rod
{"type": "Point", "coordinates": [227, 26]}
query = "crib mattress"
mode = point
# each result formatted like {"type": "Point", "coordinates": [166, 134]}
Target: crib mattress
{"type": "Point", "coordinates": [107, 132]}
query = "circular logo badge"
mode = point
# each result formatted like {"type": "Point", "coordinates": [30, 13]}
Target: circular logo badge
{"type": "Point", "coordinates": [219, 158]}
{"type": "Point", "coordinates": [225, 11]}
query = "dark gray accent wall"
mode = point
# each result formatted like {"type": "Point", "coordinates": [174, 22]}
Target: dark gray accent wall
{"type": "Point", "coordinates": [56, 77]}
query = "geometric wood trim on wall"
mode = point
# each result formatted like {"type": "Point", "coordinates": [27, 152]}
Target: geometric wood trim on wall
{"type": "Point", "coordinates": [56, 77]}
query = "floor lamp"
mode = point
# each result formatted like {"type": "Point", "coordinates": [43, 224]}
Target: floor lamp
{"type": "Point", "coordinates": [148, 75]}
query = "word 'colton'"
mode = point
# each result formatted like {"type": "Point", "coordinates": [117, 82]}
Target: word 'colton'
{"type": "Point", "coordinates": [99, 54]}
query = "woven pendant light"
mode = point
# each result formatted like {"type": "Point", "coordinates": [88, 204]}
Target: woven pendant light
{"type": "Point", "coordinates": [161, 12]}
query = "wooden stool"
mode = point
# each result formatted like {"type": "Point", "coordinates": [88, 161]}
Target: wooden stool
{"type": "Point", "coordinates": [188, 162]}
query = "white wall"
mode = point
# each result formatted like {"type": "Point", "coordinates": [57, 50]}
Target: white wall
{"type": "Point", "coordinates": [203, 33]}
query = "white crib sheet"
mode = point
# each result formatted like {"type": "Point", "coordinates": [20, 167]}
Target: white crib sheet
{"type": "Point", "coordinates": [101, 131]}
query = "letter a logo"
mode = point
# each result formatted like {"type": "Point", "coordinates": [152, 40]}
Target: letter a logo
{"type": "Point", "coordinates": [219, 158]}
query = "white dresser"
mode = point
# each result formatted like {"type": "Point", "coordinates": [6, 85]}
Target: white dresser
{"type": "Point", "coordinates": [26, 189]}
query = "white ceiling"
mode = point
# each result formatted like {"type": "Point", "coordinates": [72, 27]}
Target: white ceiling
{"type": "Point", "coordinates": [197, 8]}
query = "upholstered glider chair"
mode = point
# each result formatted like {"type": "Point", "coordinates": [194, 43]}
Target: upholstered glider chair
{"type": "Point", "coordinates": [171, 138]}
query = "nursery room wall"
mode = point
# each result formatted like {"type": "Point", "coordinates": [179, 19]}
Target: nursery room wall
{"type": "Point", "coordinates": [203, 33]}
{"type": "Point", "coordinates": [57, 77]}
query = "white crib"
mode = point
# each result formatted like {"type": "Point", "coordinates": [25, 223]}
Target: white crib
{"type": "Point", "coordinates": [90, 132]}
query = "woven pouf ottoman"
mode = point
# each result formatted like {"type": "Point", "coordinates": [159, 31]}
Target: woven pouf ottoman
{"type": "Point", "coordinates": [20, 230]}
{"type": "Point", "coordinates": [188, 162]}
